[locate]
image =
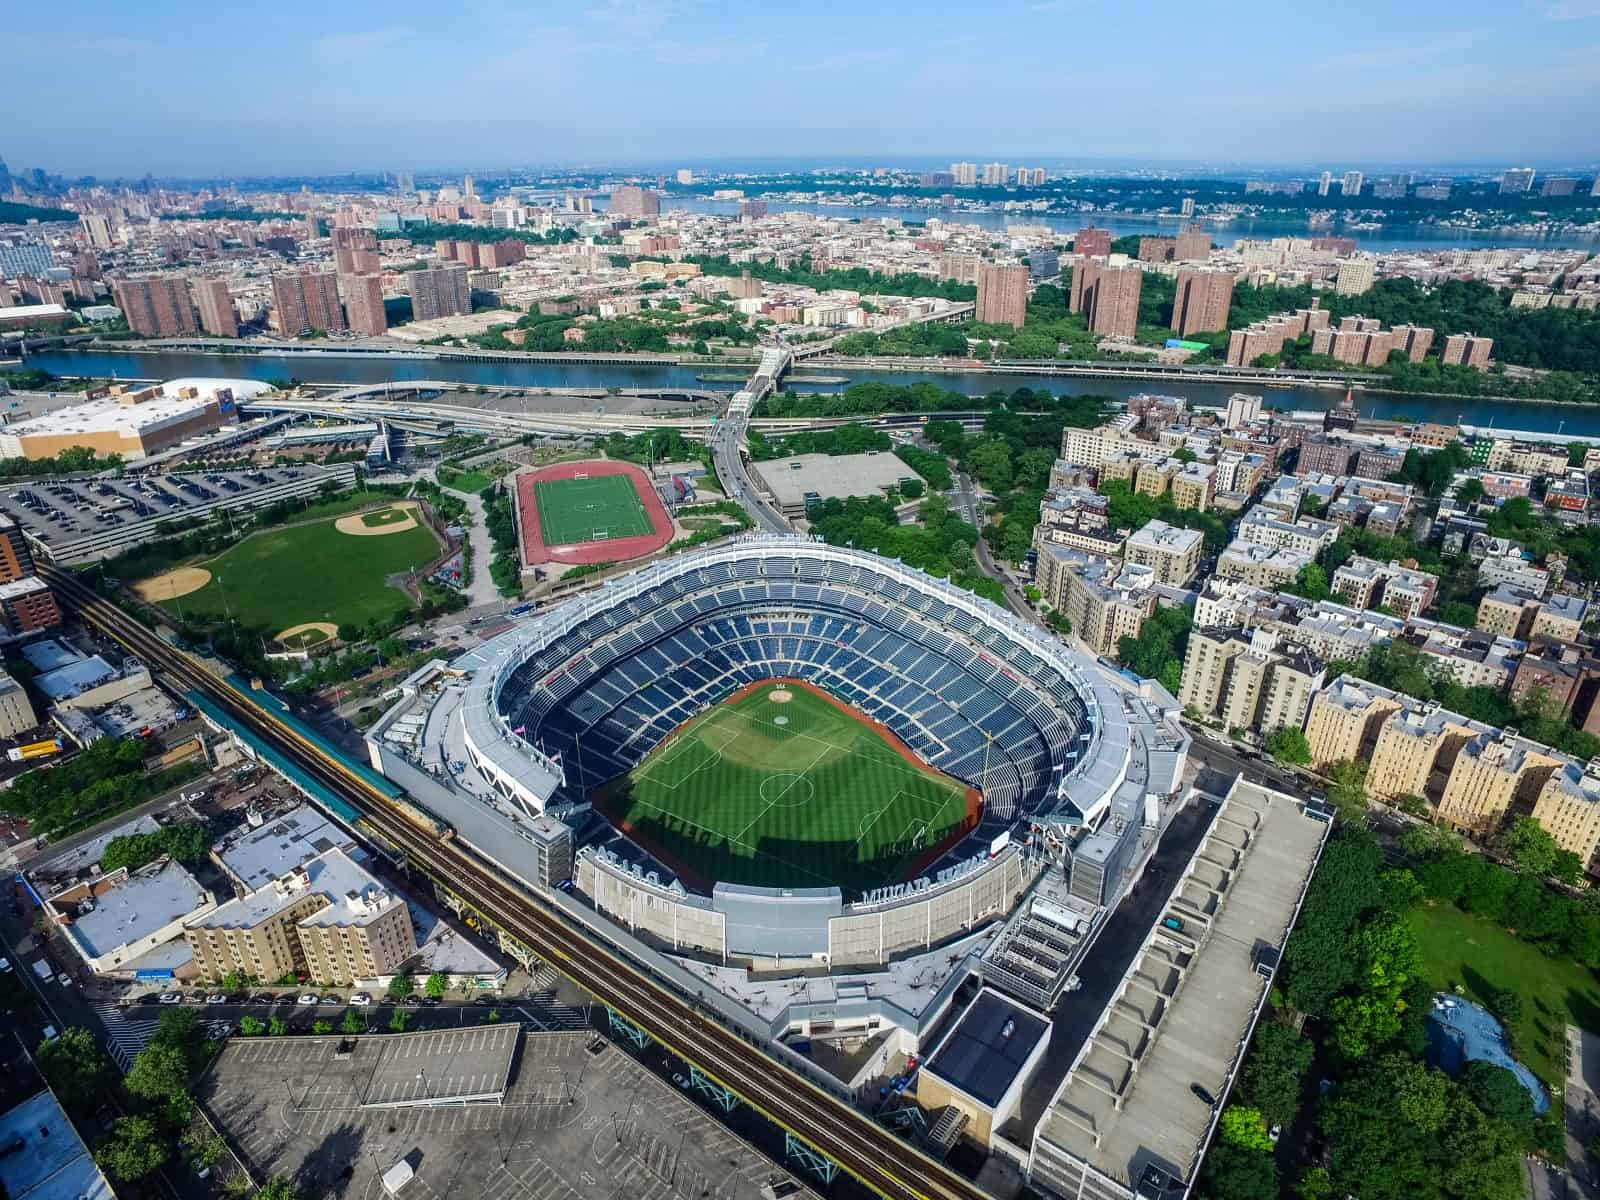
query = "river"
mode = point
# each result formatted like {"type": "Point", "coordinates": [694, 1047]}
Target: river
{"type": "Point", "coordinates": [1390, 237]}
{"type": "Point", "coordinates": [1534, 417]}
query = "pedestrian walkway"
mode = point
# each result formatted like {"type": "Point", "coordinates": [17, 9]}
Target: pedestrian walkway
{"type": "Point", "coordinates": [546, 1012]}
{"type": "Point", "coordinates": [126, 1034]}
{"type": "Point", "coordinates": [480, 588]}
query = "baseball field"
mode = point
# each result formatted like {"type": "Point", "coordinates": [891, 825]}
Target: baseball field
{"type": "Point", "coordinates": [783, 786]}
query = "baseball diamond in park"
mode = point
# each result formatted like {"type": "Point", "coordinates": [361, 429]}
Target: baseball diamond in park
{"type": "Point", "coordinates": [781, 785]}
{"type": "Point", "coordinates": [588, 512]}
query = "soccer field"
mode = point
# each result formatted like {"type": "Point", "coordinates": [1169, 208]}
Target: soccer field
{"type": "Point", "coordinates": [601, 507]}
{"type": "Point", "coordinates": [780, 787]}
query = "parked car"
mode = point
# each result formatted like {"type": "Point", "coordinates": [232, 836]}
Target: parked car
{"type": "Point", "coordinates": [5, 964]}
{"type": "Point", "coordinates": [170, 998]}
{"type": "Point", "coordinates": [308, 998]}
{"type": "Point", "coordinates": [64, 979]}
{"type": "Point", "coordinates": [412, 1001]}
{"type": "Point", "coordinates": [264, 998]}
{"type": "Point", "coordinates": [332, 1000]}
{"type": "Point", "coordinates": [361, 999]}
{"type": "Point", "coordinates": [1203, 1094]}
{"type": "Point", "coordinates": [216, 998]}
{"type": "Point", "coordinates": [484, 1001]}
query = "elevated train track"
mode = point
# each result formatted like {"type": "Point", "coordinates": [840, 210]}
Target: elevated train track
{"type": "Point", "coordinates": [870, 1153]}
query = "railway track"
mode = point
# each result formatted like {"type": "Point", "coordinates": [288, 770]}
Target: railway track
{"type": "Point", "coordinates": [868, 1152]}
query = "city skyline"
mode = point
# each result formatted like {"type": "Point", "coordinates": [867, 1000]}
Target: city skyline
{"type": "Point", "coordinates": [369, 87]}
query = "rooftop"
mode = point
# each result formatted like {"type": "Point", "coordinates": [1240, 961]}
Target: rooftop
{"type": "Point", "coordinates": [989, 1047]}
{"type": "Point", "coordinates": [354, 897]}
{"type": "Point", "coordinates": [54, 1164]}
{"type": "Point", "coordinates": [832, 475]}
{"type": "Point", "coordinates": [1169, 539]}
{"type": "Point", "coordinates": [257, 856]}
{"type": "Point", "coordinates": [143, 903]}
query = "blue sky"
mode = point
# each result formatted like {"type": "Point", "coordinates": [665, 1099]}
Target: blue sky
{"type": "Point", "coordinates": [176, 86]}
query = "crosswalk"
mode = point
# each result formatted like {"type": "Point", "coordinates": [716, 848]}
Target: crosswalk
{"type": "Point", "coordinates": [548, 1013]}
{"type": "Point", "coordinates": [126, 1033]}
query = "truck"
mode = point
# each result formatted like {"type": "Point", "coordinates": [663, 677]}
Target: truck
{"type": "Point", "coordinates": [34, 750]}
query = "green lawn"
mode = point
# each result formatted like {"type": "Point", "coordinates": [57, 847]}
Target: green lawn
{"type": "Point", "coordinates": [463, 481]}
{"type": "Point", "coordinates": [587, 510]}
{"type": "Point", "coordinates": [786, 794]}
{"type": "Point", "coordinates": [285, 577]}
{"type": "Point", "coordinates": [1459, 949]}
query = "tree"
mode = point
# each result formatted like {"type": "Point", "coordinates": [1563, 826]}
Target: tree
{"type": "Point", "coordinates": [399, 1020]}
{"type": "Point", "coordinates": [74, 1067]}
{"type": "Point", "coordinates": [438, 984]}
{"type": "Point", "coordinates": [1347, 789]}
{"type": "Point", "coordinates": [1273, 1074]}
{"type": "Point", "coordinates": [1500, 1095]}
{"type": "Point", "coordinates": [321, 1027]}
{"type": "Point", "coordinates": [203, 1148]}
{"type": "Point", "coordinates": [1530, 849]}
{"type": "Point", "coordinates": [1245, 1128]}
{"type": "Point", "coordinates": [278, 1188]}
{"type": "Point", "coordinates": [1311, 582]}
{"type": "Point", "coordinates": [160, 1072]}
{"type": "Point", "coordinates": [251, 1026]}
{"type": "Point", "coordinates": [1233, 1173]}
{"type": "Point", "coordinates": [1289, 745]}
{"type": "Point", "coordinates": [133, 1149]}
{"type": "Point", "coordinates": [352, 1022]}
{"type": "Point", "coordinates": [1315, 1184]}
{"type": "Point", "coordinates": [401, 986]}
{"type": "Point", "coordinates": [277, 1026]}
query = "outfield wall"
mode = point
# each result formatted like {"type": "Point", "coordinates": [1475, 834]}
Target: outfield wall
{"type": "Point", "coordinates": [774, 926]}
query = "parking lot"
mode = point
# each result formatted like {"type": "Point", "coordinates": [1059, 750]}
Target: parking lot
{"type": "Point", "coordinates": [580, 1120]}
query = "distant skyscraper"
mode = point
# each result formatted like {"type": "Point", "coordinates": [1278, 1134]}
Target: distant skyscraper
{"type": "Point", "coordinates": [306, 300]}
{"type": "Point", "coordinates": [685, 175]}
{"type": "Point", "coordinates": [1003, 294]}
{"type": "Point", "coordinates": [441, 291]}
{"type": "Point", "coordinates": [363, 303]}
{"type": "Point", "coordinates": [965, 173]}
{"type": "Point", "coordinates": [752, 210]}
{"type": "Point", "coordinates": [1202, 300]}
{"type": "Point", "coordinates": [467, 189]}
{"type": "Point", "coordinates": [155, 307]}
{"type": "Point", "coordinates": [1186, 209]}
{"type": "Point", "coordinates": [994, 174]}
{"type": "Point", "coordinates": [1092, 242]}
{"type": "Point", "coordinates": [215, 304]}
{"type": "Point", "coordinates": [1516, 181]}
{"type": "Point", "coordinates": [1325, 183]}
{"type": "Point", "coordinates": [1559, 185]}
{"type": "Point", "coordinates": [635, 202]}
{"type": "Point", "coordinates": [98, 229]}
{"type": "Point", "coordinates": [1594, 188]}
{"type": "Point", "coordinates": [5, 179]}
{"type": "Point", "coordinates": [1352, 183]}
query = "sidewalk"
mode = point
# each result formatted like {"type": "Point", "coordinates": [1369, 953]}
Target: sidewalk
{"type": "Point", "coordinates": [480, 589]}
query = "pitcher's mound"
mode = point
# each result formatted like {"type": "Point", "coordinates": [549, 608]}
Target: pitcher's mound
{"type": "Point", "coordinates": [169, 585]}
{"type": "Point", "coordinates": [311, 633]}
{"type": "Point", "coordinates": [397, 518]}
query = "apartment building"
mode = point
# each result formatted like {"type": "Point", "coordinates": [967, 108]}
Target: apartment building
{"type": "Point", "coordinates": [1344, 721]}
{"type": "Point", "coordinates": [1467, 350]}
{"type": "Point", "coordinates": [1105, 600]}
{"type": "Point", "coordinates": [1408, 747]}
{"type": "Point", "coordinates": [16, 710]}
{"type": "Point", "coordinates": [1251, 679]}
{"type": "Point", "coordinates": [1304, 535]}
{"type": "Point", "coordinates": [440, 291]}
{"type": "Point", "coordinates": [1076, 518]}
{"type": "Point", "coordinates": [157, 306]}
{"type": "Point", "coordinates": [1091, 242]}
{"type": "Point", "coordinates": [1356, 276]}
{"type": "Point", "coordinates": [1002, 294]}
{"type": "Point", "coordinates": [1367, 583]}
{"type": "Point", "coordinates": [1152, 478]}
{"type": "Point", "coordinates": [327, 919]}
{"type": "Point", "coordinates": [1568, 808]}
{"type": "Point", "coordinates": [1491, 773]}
{"type": "Point", "coordinates": [214, 303]}
{"type": "Point", "coordinates": [363, 302]}
{"type": "Point", "coordinates": [1202, 300]}
{"type": "Point", "coordinates": [1108, 296]}
{"type": "Point", "coordinates": [1093, 447]}
{"type": "Point", "coordinates": [630, 201]}
{"type": "Point", "coordinates": [1519, 613]}
{"type": "Point", "coordinates": [1194, 486]}
{"type": "Point", "coordinates": [1172, 553]}
{"type": "Point", "coordinates": [306, 300]}
{"type": "Point", "coordinates": [1269, 336]}
{"type": "Point", "coordinates": [1270, 567]}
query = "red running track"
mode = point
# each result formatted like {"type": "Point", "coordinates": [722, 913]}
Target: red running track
{"type": "Point", "coordinates": [536, 553]}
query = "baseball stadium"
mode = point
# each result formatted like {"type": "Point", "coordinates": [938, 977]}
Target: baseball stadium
{"type": "Point", "coordinates": [800, 752]}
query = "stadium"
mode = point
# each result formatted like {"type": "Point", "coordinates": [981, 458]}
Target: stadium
{"type": "Point", "coordinates": [809, 753]}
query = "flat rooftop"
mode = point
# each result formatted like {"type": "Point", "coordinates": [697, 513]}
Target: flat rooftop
{"type": "Point", "coordinates": [54, 1164]}
{"type": "Point", "coordinates": [332, 874]}
{"type": "Point", "coordinates": [149, 899]}
{"type": "Point", "coordinates": [1127, 1104]}
{"type": "Point", "coordinates": [280, 844]}
{"type": "Point", "coordinates": [580, 1119]}
{"type": "Point", "coordinates": [988, 1048]}
{"type": "Point", "coordinates": [832, 475]}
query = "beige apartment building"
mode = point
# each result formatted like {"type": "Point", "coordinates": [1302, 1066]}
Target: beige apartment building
{"type": "Point", "coordinates": [1517, 613]}
{"type": "Point", "coordinates": [327, 919]}
{"type": "Point", "coordinates": [1568, 808]}
{"type": "Point", "coordinates": [1344, 721]}
{"type": "Point", "coordinates": [1105, 600]}
{"type": "Point", "coordinates": [1491, 773]}
{"type": "Point", "coordinates": [1411, 744]}
{"type": "Point", "coordinates": [1194, 486]}
{"type": "Point", "coordinates": [1250, 679]}
{"type": "Point", "coordinates": [1172, 553]}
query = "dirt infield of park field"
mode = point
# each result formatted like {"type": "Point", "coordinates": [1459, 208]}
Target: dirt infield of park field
{"type": "Point", "coordinates": [356, 523]}
{"type": "Point", "coordinates": [328, 630]}
{"type": "Point", "coordinates": [169, 585]}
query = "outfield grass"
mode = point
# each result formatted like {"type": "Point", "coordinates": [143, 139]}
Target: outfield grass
{"type": "Point", "coordinates": [286, 577]}
{"type": "Point", "coordinates": [587, 510]}
{"type": "Point", "coordinates": [1459, 949]}
{"type": "Point", "coordinates": [794, 794]}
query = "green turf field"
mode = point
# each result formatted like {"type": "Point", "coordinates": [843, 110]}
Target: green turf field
{"type": "Point", "coordinates": [285, 577]}
{"type": "Point", "coordinates": [795, 794]}
{"type": "Point", "coordinates": [600, 507]}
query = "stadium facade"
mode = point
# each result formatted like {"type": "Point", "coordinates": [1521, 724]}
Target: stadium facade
{"type": "Point", "coordinates": [1078, 760]}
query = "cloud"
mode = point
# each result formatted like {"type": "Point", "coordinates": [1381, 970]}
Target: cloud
{"type": "Point", "coordinates": [1569, 10]}
{"type": "Point", "coordinates": [360, 43]}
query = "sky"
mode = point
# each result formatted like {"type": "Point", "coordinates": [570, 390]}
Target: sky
{"type": "Point", "coordinates": [179, 87]}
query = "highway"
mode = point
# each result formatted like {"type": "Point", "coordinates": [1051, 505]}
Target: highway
{"type": "Point", "coordinates": [871, 1154]}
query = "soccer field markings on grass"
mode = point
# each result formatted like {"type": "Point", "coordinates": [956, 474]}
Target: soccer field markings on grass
{"type": "Point", "coordinates": [697, 739]}
{"type": "Point", "coordinates": [799, 777]}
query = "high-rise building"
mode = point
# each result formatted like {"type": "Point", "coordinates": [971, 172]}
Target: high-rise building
{"type": "Point", "coordinates": [1038, 177]}
{"type": "Point", "coordinates": [964, 173]}
{"type": "Point", "coordinates": [363, 303]}
{"type": "Point", "coordinates": [1191, 245]}
{"type": "Point", "coordinates": [1352, 183]}
{"type": "Point", "coordinates": [1559, 185]}
{"type": "Point", "coordinates": [441, 291]}
{"type": "Point", "coordinates": [752, 210]}
{"type": "Point", "coordinates": [155, 306]}
{"type": "Point", "coordinates": [635, 202]}
{"type": "Point", "coordinates": [1325, 183]}
{"type": "Point", "coordinates": [1516, 180]}
{"type": "Point", "coordinates": [306, 300]}
{"type": "Point", "coordinates": [994, 174]}
{"type": "Point", "coordinates": [1003, 294]}
{"type": "Point", "coordinates": [27, 606]}
{"type": "Point", "coordinates": [1594, 188]}
{"type": "Point", "coordinates": [214, 303]}
{"type": "Point", "coordinates": [1091, 242]}
{"type": "Point", "coordinates": [1467, 350]}
{"type": "Point", "coordinates": [1202, 300]}
{"type": "Point", "coordinates": [467, 190]}
{"type": "Point", "coordinates": [685, 175]}
{"type": "Point", "coordinates": [355, 251]}
{"type": "Point", "coordinates": [1108, 296]}
{"type": "Point", "coordinates": [1186, 209]}
{"type": "Point", "coordinates": [1357, 274]}
{"type": "Point", "coordinates": [16, 559]}
{"type": "Point", "coordinates": [98, 229]}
